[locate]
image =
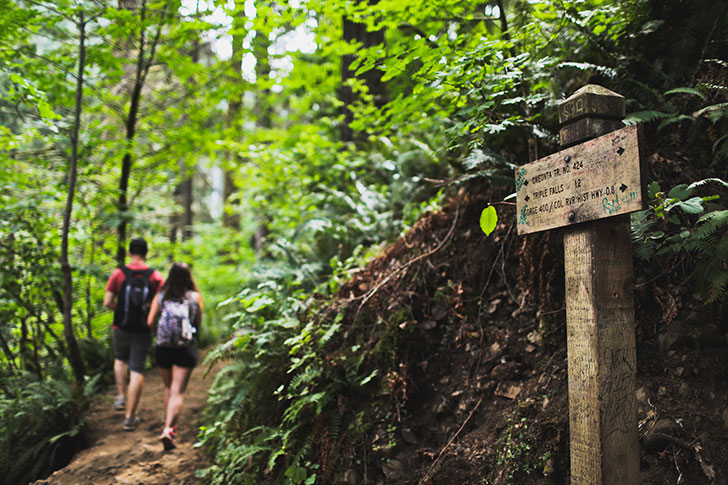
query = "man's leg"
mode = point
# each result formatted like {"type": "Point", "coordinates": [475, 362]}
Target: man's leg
{"type": "Point", "coordinates": [120, 370]}
{"type": "Point", "coordinates": [136, 384]}
{"type": "Point", "coordinates": [122, 344]}
{"type": "Point", "coordinates": [137, 360]}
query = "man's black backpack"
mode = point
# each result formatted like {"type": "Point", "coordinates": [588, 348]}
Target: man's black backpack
{"type": "Point", "coordinates": [133, 300]}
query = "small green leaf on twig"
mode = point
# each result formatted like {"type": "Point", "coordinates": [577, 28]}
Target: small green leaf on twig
{"type": "Point", "coordinates": [488, 220]}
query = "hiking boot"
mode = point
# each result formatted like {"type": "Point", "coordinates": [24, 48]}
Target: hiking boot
{"type": "Point", "coordinates": [168, 437]}
{"type": "Point", "coordinates": [131, 423]}
{"type": "Point", "coordinates": [119, 403]}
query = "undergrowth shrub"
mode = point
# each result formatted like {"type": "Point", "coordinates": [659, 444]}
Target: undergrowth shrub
{"type": "Point", "coordinates": [673, 227]}
{"type": "Point", "coordinates": [41, 423]}
{"type": "Point", "coordinates": [273, 410]}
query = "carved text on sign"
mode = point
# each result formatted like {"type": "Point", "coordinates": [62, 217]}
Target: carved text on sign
{"type": "Point", "coordinates": [595, 179]}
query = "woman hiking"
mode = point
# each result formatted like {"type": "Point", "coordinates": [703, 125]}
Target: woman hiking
{"type": "Point", "coordinates": [179, 307]}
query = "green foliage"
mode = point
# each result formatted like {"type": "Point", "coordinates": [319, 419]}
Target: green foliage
{"type": "Point", "coordinates": [715, 113]}
{"type": "Point", "coordinates": [283, 368]}
{"type": "Point", "coordinates": [35, 416]}
{"type": "Point", "coordinates": [517, 453]}
{"type": "Point", "coordinates": [671, 227]}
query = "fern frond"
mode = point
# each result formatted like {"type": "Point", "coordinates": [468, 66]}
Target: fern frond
{"type": "Point", "coordinates": [699, 246]}
{"type": "Point", "coordinates": [334, 427]}
{"type": "Point", "coordinates": [715, 284]}
{"type": "Point", "coordinates": [720, 62]}
{"type": "Point", "coordinates": [692, 91]}
{"type": "Point", "coordinates": [644, 117]}
{"type": "Point", "coordinates": [586, 66]}
{"type": "Point", "coordinates": [673, 119]}
{"type": "Point", "coordinates": [707, 181]}
{"type": "Point", "coordinates": [329, 334]}
{"type": "Point", "coordinates": [645, 250]}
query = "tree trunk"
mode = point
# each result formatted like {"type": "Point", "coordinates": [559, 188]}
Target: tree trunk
{"type": "Point", "coordinates": [74, 353]}
{"type": "Point", "coordinates": [357, 32]}
{"type": "Point", "coordinates": [263, 114]}
{"type": "Point", "coordinates": [126, 161]}
{"type": "Point", "coordinates": [27, 356]}
{"type": "Point", "coordinates": [183, 192]}
{"type": "Point", "coordinates": [90, 312]}
{"type": "Point", "coordinates": [142, 68]}
{"type": "Point", "coordinates": [230, 218]}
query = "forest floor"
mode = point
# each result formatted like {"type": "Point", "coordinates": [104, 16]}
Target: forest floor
{"type": "Point", "coordinates": [115, 456]}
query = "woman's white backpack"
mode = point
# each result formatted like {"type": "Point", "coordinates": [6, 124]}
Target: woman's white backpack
{"type": "Point", "coordinates": [174, 328]}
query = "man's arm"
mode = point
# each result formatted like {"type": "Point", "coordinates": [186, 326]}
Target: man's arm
{"type": "Point", "coordinates": [110, 300]}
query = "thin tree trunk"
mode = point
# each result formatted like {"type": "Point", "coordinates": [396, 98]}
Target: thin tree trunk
{"type": "Point", "coordinates": [187, 197]}
{"type": "Point", "coordinates": [261, 44]}
{"type": "Point", "coordinates": [187, 186]}
{"type": "Point", "coordinates": [142, 68]}
{"type": "Point", "coordinates": [9, 355]}
{"type": "Point", "coordinates": [126, 161]}
{"type": "Point", "coordinates": [229, 216]}
{"type": "Point", "coordinates": [90, 312]}
{"type": "Point", "coordinates": [27, 357]}
{"type": "Point", "coordinates": [357, 32]}
{"type": "Point", "coordinates": [74, 353]}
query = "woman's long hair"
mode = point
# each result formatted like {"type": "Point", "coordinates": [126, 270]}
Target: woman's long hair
{"type": "Point", "coordinates": [179, 282]}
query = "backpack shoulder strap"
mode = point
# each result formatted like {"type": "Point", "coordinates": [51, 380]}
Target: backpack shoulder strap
{"type": "Point", "coordinates": [145, 273]}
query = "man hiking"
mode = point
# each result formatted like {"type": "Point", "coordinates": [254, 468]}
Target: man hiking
{"type": "Point", "coordinates": [129, 293]}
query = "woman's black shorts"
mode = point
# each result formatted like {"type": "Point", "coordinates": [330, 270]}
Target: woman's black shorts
{"type": "Point", "coordinates": [182, 357]}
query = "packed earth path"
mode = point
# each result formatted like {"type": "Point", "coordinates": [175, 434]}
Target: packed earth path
{"type": "Point", "coordinates": [115, 456]}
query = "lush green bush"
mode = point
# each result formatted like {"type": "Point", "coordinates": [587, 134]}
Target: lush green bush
{"type": "Point", "coordinates": [41, 423]}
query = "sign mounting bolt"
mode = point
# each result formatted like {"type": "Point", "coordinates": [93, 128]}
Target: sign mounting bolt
{"type": "Point", "coordinates": [567, 158]}
{"type": "Point", "coordinates": [572, 216]}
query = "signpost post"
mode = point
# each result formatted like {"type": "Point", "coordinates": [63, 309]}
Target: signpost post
{"type": "Point", "coordinates": [589, 187]}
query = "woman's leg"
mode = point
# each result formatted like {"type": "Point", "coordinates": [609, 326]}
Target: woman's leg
{"type": "Point", "coordinates": [180, 376]}
{"type": "Point", "coordinates": [166, 375]}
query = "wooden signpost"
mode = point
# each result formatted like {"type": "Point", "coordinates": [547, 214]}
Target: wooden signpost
{"type": "Point", "coordinates": [589, 187]}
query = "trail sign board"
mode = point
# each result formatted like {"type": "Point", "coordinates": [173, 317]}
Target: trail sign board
{"type": "Point", "coordinates": [595, 179]}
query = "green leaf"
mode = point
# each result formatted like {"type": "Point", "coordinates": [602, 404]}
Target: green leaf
{"type": "Point", "coordinates": [691, 206]}
{"type": "Point", "coordinates": [368, 378]}
{"type": "Point", "coordinates": [679, 192]}
{"type": "Point", "coordinates": [488, 220]}
{"type": "Point", "coordinates": [653, 189]}
{"type": "Point", "coordinates": [686, 91]}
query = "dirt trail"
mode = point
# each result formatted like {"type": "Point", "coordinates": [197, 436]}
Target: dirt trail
{"type": "Point", "coordinates": [115, 456]}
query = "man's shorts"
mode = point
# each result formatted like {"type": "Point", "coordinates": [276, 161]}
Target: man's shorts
{"type": "Point", "coordinates": [166, 357]}
{"type": "Point", "coordinates": [132, 347]}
